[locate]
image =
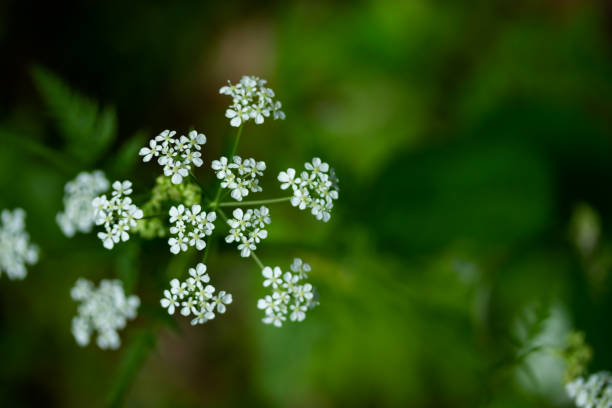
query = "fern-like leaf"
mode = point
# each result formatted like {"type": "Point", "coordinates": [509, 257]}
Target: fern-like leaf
{"type": "Point", "coordinates": [87, 130]}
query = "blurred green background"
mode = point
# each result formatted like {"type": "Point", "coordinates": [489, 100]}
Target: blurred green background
{"type": "Point", "coordinates": [472, 140]}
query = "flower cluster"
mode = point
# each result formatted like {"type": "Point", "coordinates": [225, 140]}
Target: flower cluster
{"type": "Point", "coordinates": [290, 296]}
{"type": "Point", "coordinates": [195, 297]}
{"type": "Point", "coordinates": [78, 213]}
{"type": "Point", "coordinates": [240, 176]}
{"type": "Point", "coordinates": [190, 226]}
{"type": "Point", "coordinates": [251, 100]}
{"type": "Point", "coordinates": [16, 251]}
{"type": "Point", "coordinates": [596, 392]}
{"type": "Point", "coordinates": [175, 154]}
{"type": "Point", "coordinates": [316, 189]}
{"type": "Point", "coordinates": [118, 215]}
{"type": "Point", "coordinates": [105, 309]}
{"type": "Point", "coordinates": [247, 229]}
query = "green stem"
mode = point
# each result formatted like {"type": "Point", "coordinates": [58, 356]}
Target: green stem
{"type": "Point", "coordinates": [215, 202]}
{"type": "Point", "coordinates": [257, 202]}
{"type": "Point", "coordinates": [257, 260]}
{"type": "Point", "coordinates": [195, 180]}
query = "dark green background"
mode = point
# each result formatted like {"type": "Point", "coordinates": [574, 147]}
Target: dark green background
{"type": "Point", "coordinates": [464, 134]}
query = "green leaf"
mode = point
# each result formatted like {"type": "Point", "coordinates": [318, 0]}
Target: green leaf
{"type": "Point", "coordinates": [134, 357]}
{"type": "Point", "coordinates": [128, 266]}
{"type": "Point", "coordinates": [87, 131]}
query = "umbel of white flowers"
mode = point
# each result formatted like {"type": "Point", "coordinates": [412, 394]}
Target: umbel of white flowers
{"type": "Point", "coordinates": [315, 190]}
{"type": "Point", "coordinates": [78, 214]}
{"type": "Point", "coordinates": [16, 251]}
{"type": "Point", "coordinates": [595, 392]}
{"type": "Point", "coordinates": [175, 154]}
{"type": "Point", "coordinates": [118, 215]}
{"type": "Point", "coordinates": [290, 295]}
{"type": "Point", "coordinates": [190, 226]}
{"type": "Point", "coordinates": [195, 297]}
{"type": "Point", "coordinates": [239, 176]}
{"type": "Point", "coordinates": [105, 309]}
{"type": "Point", "coordinates": [251, 100]}
{"type": "Point", "coordinates": [248, 229]}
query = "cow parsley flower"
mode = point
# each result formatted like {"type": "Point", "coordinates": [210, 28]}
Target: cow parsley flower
{"type": "Point", "coordinates": [595, 392]}
{"type": "Point", "coordinates": [175, 154]}
{"type": "Point", "coordinates": [79, 215]}
{"type": "Point", "coordinates": [251, 99]}
{"type": "Point", "coordinates": [315, 189]}
{"type": "Point", "coordinates": [105, 309]}
{"type": "Point", "coordinates": [189, 227]}
{"type": "Point", "coordinates": [16, 251]}
{"type": "Point", "coordinates": [195, 297]}
{"type": "Point", "coordinates": [248, 228]}
{"type": "Point", "coordinates": [239, 176]}
{"type": "Point", "coordinates": [290, 297]}
{"type": "Point", "coordinates": [118, 215]}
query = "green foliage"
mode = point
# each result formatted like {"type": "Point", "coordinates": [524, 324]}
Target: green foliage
{"type": "Point", "coordinates": [134, 356]}
{"type": "Point", "coordinates": [87, 131]}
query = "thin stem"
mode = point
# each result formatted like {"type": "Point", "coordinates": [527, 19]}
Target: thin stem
{"type": "Point", "coordinates": [195, 179]}
{"type": "Point", "coordinates": [215, 202]}
{"type": "Point", "coordinates": [256, 202]}
{"type": "Point", "coordinates": [257, 260]}
{"type": "Point", "coordinates": [222, 214]}
{"type": "Point", "coordinates": [236, 142]}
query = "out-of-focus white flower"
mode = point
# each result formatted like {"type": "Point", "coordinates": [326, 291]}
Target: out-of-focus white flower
{"type": "Point", "coordinates": [290, 295]}
{"type": "Point", "coordinates": [195, 298]}
{"type": "Point", "coordinates": [251, 99]}
{"type": "Point", "coordinates": [595, 392]}
{"type": "Point", "coordinates": [189, 227]}
{"type": "Point", "coordinates": [118, 215]}
{"type": "Point", "coordinates": [239, 176]}
{"type": "Point", "coordinates": [175, 154]}
{"type": "Point", "coordinates": [16, 251]}
{"type": "Point", "coordinates": [316, 190]}
{"type": "Point", "coordinates": [78, 214]}
{"type": "Point", "coordinates": [105, 309]}
{"type": "Point", "coordinates": [247, 228]}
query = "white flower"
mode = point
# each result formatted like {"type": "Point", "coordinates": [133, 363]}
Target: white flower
{"type": "Point", "coordinates": [287, 289]}
{"type": "Point", "coordinates": [267, 304]}
{"type": "Point", "coordinates": [189, 226]}
{"type": "Point", "coordinates": [251, 99]}
{"type": "Point", "coordinates": [169, 301]}
{"type": "Point", "coordinates": [105, 309]}
{"type": "Point", "coordinates": [176, 155]}
{"type": "Point", "coordinates": [298, 312]}
{"type": "Point", "coordinates": [118, 215]}
{"type": "Point", "coordinates": [596, 392]}
{"type": "Point", "coordinates": [221, 300]}
{"type": "Point", "coordinates": [247, 229]}
{"type": "Point", "coordinates": [300, 268]}
{"type": "Point", "coordinates": [196, 299]}
{"type": "Point", "coordinates": [316, 190]}
{"type": "Point", "coordinates": [151, 151]}
{"type": "Point", "coordinates": [288, 179]}
{"type": "Point", "coordinates": [78, 214]}
{"type": "Point", "coordinates": [16, 251]}
{"type": "Point", "coordinates": [273, 276]}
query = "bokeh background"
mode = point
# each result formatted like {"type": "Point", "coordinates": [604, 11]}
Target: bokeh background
{"type": "Point", "coordinates": [472, 140]}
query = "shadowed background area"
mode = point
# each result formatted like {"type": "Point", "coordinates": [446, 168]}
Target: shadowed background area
{"type": "Point", "coordinates": [472, 140]}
